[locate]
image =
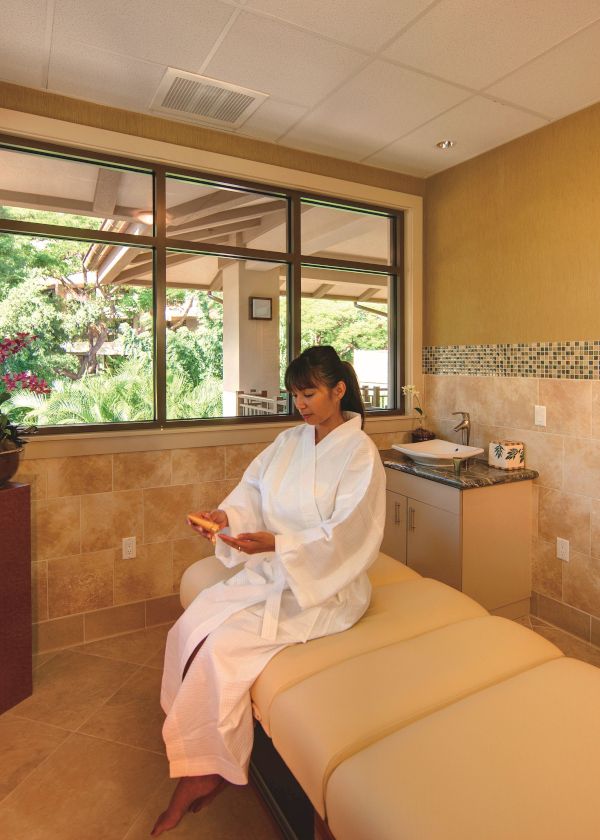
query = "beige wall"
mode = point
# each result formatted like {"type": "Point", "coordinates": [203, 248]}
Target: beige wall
{"type": "Point", "coordinates": [79, 112]}
{"type": "Point", "coordinates": [82, 508]}
{"type": "Point", "coordinates": [511, 240]}
{"type": "Point", "coordinates": [92, 490]}
{"type": "Point", "coordinates": [567, 492]}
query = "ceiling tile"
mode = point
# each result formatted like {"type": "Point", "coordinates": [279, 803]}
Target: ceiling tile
{"type": "Point", "coordinates": [562, 81]}
{"type": "Point", "coordinates": [379, 104]}
{"type": "Point", "coordinates": [271, 120]}
{"type": "Point", "coordinates": [274, 58]}
{"type": "Point", "coordinates": [88, 73]}
{"type": "Point", "coordinates": [352, 22]}
{"type": "Point", "coordinates": [23, 54]}
{"type": "Point", "coordinates": [476, 42]}
{"type": "Point", "coordinates": [476, 126]}
{"type": "Point", "coordinates": [177, 34]}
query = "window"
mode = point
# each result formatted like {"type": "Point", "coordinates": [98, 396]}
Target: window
{"type": "Point", "coordinates": [163, 297]}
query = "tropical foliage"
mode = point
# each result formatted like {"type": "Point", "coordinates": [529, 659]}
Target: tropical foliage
{"type": "Point", "coordinates": [95, 343]}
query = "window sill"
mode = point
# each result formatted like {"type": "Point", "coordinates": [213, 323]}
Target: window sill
{"type": "Point", "coordinates": [100, 443]}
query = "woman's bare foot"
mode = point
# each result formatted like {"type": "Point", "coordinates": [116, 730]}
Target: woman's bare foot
{"type": "Point", "coordinates": [191, 794]}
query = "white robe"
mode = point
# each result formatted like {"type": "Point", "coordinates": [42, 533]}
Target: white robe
{"type": "Point", "coordinates": [325, 503]}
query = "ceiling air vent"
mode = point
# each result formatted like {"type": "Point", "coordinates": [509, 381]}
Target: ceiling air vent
{"type": "Point", "coordinates": [203, 100]}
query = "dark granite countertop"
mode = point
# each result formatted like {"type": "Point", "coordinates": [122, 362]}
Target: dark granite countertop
{"type": "Point", "coordinates": [477, 474]}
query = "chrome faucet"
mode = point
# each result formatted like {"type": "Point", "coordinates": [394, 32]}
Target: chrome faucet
{"type": "Point", "coordinates": [464, 426]}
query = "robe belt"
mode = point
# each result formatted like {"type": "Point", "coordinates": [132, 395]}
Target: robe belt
{"type": "Point", "coordinates": [271, 614]}
{"type": "Point", "coordinates": [271, 577]}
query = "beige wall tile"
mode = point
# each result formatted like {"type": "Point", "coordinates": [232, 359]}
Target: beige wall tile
{"type": "Point", "coordinates": [108, 517]}
{"type": "Point", "coordinates": [56, 527]}
{"type": "Point", "coordinates": [562, 615]}
{"type": "Point", "coordinates": [543, 452]}
{"type": "Point", "coordinates": [441, 395]}
{"type": "Point", "coordinates": [568, 406]}
{"type": "Point", "coordinates": [34, 472]}
{"type": "Point", "coordinates": [165, 512]}
{"type": "Point", "coordinates": [386, 439]}
{"type": "Point", "coordinates": [132, 470]}
{"type": "Point", "coordinates": [162, 610]}
{"type": "Point", "coordinates": [582, 466]}
{"type": "Point", "coordinates": [192, 466]}
{"type": "Point", "coordinates": [595, 547]}
{"type": "Point", "coordinates": [238, 457]}
{"type": "Point", "coordinates": [77, 476]}
{"type": "Point", "coordinates": [596, 409]}
{"type": "Point", "coordinates": [546, 570]}
{"type": "Point", "coordinates": [114, 620]}
{"type": "Point", "coordinates": [565, 515]}
{"type": "Point", "coordinates": [581, 583]}
{"type": "Point", "coordinates": [58, 633]}
{"type": "Point", "coordinates": [506, 401]}
{"type": "Point", "coordinates": [210, 495]}
{"type": "Point", "coordinates": [186, 552]}
{"type": "Point", "coordinates": [146, 576]}
{"type": "Point", "coordinates": [596, 631]}
{"type": "Point", "coordinates": [39, 591]}
{"type": "Point", "coordinates": [80, 583]}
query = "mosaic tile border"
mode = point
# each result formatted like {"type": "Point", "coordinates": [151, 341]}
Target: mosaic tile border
{"type": "Point", "coordinates": [543, 360]}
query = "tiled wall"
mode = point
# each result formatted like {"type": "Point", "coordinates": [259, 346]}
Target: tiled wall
{"type": "Point", "coordinates": [567, 494]}
{"type": "Point", "coordinates": [82, 508]}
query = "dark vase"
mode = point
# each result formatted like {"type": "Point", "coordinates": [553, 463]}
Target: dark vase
{"type": "Point", "coordinates": [420, 434]}
{"type": "Point", "coordinates": [9, 462]}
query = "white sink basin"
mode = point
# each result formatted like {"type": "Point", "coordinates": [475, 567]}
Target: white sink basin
{"type": "Point", "coordinates": [437, 453]}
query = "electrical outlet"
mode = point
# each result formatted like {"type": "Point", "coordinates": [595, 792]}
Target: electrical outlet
{"type": "Point", "coordinates": [539, 415]}
{"type": "Point", "coordinates": [128, 548]}
{"type": "Point", "coordinates": [562, 549]}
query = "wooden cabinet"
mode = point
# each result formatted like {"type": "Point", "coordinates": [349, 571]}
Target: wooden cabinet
{"type": "Point", "coordinates": [477, 540]}
{"type": "Point", "coordinates": [15, 595]}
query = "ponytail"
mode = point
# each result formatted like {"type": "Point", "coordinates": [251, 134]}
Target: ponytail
{"type": "Point", "coordinates": [322, 364]}
{"type": "Point", "coordinates": [352, 399]}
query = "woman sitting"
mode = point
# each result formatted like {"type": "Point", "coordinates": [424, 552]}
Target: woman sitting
{"type": "Point", "coordinates": [307, 518]}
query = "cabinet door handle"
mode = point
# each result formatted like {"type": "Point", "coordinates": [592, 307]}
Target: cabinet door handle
{"type": "Point", "coordinates": [411, 518]}
{"type": "Point", "coordinates": [396, 513]}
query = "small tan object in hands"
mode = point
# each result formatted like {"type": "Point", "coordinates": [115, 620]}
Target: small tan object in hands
{"type": "Point", "coordinates": [207, 524]}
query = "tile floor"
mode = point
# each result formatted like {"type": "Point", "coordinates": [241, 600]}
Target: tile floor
{"type": "Point", "coordinates": [82, 758]}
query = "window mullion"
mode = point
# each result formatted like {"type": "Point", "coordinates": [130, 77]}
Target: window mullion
{"type": "Point", "coordinates": [160, 295]}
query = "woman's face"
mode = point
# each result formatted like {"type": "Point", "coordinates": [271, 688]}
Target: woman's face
{"type": "Point", "coordinates": [319, 404]}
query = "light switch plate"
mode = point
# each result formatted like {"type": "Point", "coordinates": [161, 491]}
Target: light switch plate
{"type": "Point", "coordinates": [540, 415]}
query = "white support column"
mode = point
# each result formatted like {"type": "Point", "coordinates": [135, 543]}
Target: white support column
{"type": "Point", "coordinates": [250, 347]}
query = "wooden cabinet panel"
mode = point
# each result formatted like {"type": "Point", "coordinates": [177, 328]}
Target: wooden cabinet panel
{"type": "Point", "coordinates": [394, 536]}
{"type": "Point", "coordinates": [433, 543]}
{"type": "Point", "coordinates": [476, 540]}
{"type": "Point", "coordinates": [15, 595]}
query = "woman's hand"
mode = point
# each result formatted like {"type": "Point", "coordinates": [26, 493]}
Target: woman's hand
{"type": "Point", "coordinates": [219, 517]}
{"type": "Point", "coordinates": [253, 543]}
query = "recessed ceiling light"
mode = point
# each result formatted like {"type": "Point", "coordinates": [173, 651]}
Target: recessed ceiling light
{"type": "Point", "coordinates": [445, 145]}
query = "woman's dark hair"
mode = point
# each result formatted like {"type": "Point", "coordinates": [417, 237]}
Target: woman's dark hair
{"type": "Point", "coordinates": [322, 366]}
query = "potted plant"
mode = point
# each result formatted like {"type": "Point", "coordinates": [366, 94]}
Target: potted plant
{"type": "Point", "coordinates": [414, 396]}
{"type": "Point", "coordinates": [12, 434]}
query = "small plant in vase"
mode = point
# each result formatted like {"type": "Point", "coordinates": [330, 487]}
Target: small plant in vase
{"type": "Point", "coordinates": [420, 433]}
{"type": "Point", "coordinates": [12, 434]}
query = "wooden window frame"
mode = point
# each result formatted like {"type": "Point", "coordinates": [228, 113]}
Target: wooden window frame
{"type": "Point", "coordinates": [160, 244]}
